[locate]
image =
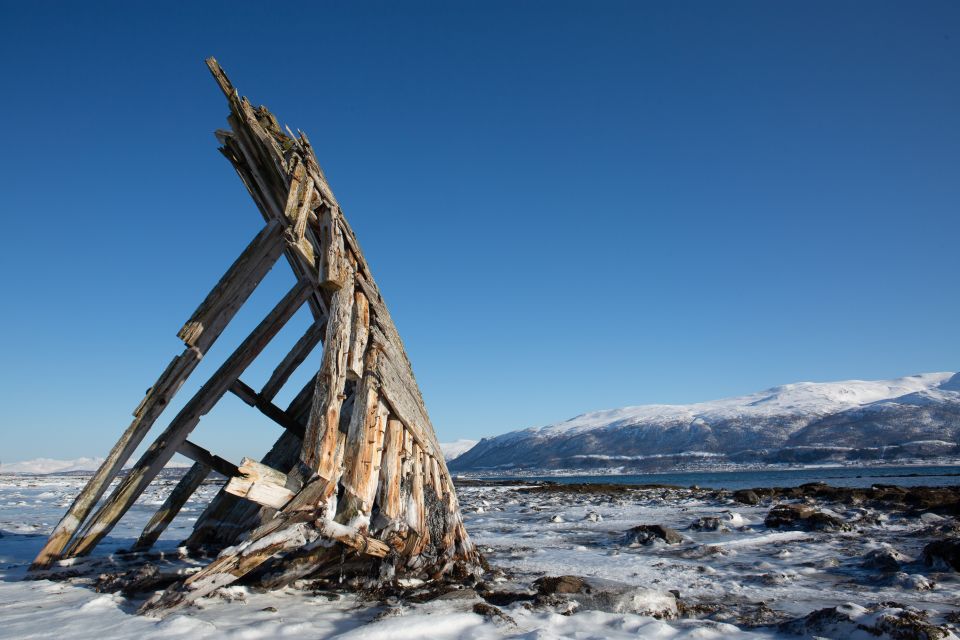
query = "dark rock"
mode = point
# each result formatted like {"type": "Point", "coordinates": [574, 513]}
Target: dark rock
{"type": "Point", "coordinates": [742, 614]}
{"type": "Point", "coordinates": [907, 624]}
{"type": "Point", "coordinates": [746, 496]}
{"type": "Point", "coordinates": [804, 517]}
{"type": "Point", "coordinates": [820, 521]}
{"type": "Point", "coordinates": [505, 598]}
{"type": "Point", "coordinates": [561, 584]}
{"type": "Point", "coordinates": [649, 533]}
{"type": "Point", "coordinates": [886, 559]}
{"type": "Point", "coordinates": [129, 583]}
{"type": "Point", "coordinates": [944, 553]}
{"type": "Point", "coordinates": [787, 515]}
{"type": "Point", "coordinates": [587, 488]}
{"type": "Point", "coordinates": [604, 595]}
{"type": "Point", "coordinates": [948, 528]}
{"type": "Point", "coordinates": [944, 500]}
{"type": "Point", "coordinates": [895, 622]}
{"type": "Point", "coordinates": [707, 523]}
{"type": "Point", "coordinates": [493, 613]}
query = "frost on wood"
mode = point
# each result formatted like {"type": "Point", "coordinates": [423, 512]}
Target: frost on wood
{"type": "Point", "coordinates": [356, 483]}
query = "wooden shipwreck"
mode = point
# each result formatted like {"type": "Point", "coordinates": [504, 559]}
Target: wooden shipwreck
{"type": "Point", "coordinates": [356, 482]}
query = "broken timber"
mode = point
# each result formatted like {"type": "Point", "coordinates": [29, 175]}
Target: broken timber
{"type": "Point", "coordinates": [356, 481]}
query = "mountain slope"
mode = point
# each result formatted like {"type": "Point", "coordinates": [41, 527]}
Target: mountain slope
{"type": "Point", "coordinates": [805, 421]}
{"type": "Point", "coordinates": [456, 448]}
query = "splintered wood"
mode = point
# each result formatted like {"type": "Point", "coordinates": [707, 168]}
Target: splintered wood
{"type": "Point", "coordinates": [356, 483]}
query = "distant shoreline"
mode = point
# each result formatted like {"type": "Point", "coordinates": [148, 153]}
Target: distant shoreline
{"type": "Point", "coordinates": [725, 468]}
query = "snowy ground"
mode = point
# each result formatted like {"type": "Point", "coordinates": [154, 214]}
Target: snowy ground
{"type": "Point", "coordinates": [737, 583]}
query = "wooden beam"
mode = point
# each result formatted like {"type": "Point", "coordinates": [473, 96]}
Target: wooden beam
{"type": "Point", "coordinates": [304, 346]}
{"type": "Point", "coordinates": [359, 333]}
{"type": "Point", "coordinates": [390, 469]}
{"type": "Point", "coordinates": [396, 389]}
{"type": "Point", "coordinates": [198, 454]}
{"type": "Point", "coordinates": [227, 517]}
{"type": "Point", "coordinates": [319, 441]}
{"type": "Point", "coordinates": [272, 411]}
{"type": "Point", "coordinates": [333, 261]}
{"type": "Point", "coordinates": [174, 502]}
{"type": "Point", "coordinates": [262, 484]}
{"type": "Point", "coordinates": [363, 449]}
{"type": "Point", "coordinates": [237, 152]}
{"type": "Point", "coordinates": [160, 452]}
{"type": "Point", "coordinates": [233, 289]}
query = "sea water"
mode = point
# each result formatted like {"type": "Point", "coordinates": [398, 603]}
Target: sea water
{"type": "Point", "coordinates": [907, 476]}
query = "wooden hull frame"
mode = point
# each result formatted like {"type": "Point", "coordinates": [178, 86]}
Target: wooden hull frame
{"type": "Point", "coordinates": [357, 469]}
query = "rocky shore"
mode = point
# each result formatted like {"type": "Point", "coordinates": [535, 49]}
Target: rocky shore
{"type": "Point", "coordinates": [563, 560]}
{"type": "Point", "coordinates": [814, 560]}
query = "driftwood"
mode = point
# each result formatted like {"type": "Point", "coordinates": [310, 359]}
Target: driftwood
{"type": "Point", "coordinates": [356, 482]}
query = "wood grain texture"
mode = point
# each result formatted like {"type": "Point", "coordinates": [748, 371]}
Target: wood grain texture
{"type": "Point", "coordinates": [319, 442]}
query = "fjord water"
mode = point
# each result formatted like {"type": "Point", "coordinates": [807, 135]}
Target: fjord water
{"type": "Point", "coordinates": [907, 476]}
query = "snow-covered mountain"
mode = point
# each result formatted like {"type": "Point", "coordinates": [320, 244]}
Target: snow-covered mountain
{"type": "Point", "coordinates": [40, 466]}
{"type": "Point", "coordinates": [45, 466]}
{"type": "Point", "coordinates": [915, 416]}
{"type": "Point", "coordinates": [456, 448]}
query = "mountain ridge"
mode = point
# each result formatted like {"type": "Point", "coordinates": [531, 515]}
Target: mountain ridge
{"type": "Point", "coordinates": [852, 420]}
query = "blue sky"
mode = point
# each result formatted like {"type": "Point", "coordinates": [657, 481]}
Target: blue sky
{"type": "Point", "coordinates": [568, 206]}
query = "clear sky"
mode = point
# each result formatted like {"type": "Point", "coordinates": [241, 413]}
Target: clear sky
{"type": "Point", "coordinates": [568, 206]}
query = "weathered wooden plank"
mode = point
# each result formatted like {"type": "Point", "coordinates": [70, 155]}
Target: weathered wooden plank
{"type": "Point", "coordinates": [261, 484]}
{"type": "Point", "coordinates": [395, 388]}
{"type": "Point", "coordinates": [227, 517]}
{"type": "Point", "coordinates": [436, 478]}
{"type": "Point", "coordinates": [160, 452]}
{"type": "Point", "coordinates": [235, 562]}
{"type": "Point", "coordinates": [319, 178]}
{"type": "Point", "coordinates": [222, 80]}
{"type": "Point", "coordinates": [390, 471]}
{"type": "Point", "coordinates": [233, 289]}
{"type": "Point", "coordinates": [381, 316]}
{"type": "Point", "coordinates": [243, 161]}
{"type": "Point", "coordinates": [267, 408]}
{"type": "Point", "coordinates": [333, 262]}
{"type": "Point", "coordinates": [416, 515]}
{"type": "Point", "coordinates": [299, 204]}
{"type": "Point", "coordinates": [198, 454]}
{"type": "Point", "coordinates": [362, 453]}
{"type": "Point", "coordinates": [359, 333]}
{"type": "Point", "coordinates": [295, 194]}
{"type": "Point", "coordinates": [174, 502]}
{"type": "Point", "coordinates": [353, 538]}
{"type": "Point", "coordinates": [146, 413]}
{"type": "Point", "coordinates": [319, 442]}
{"type": "Point", "coordinates": [303, 347]}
